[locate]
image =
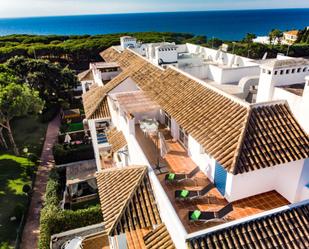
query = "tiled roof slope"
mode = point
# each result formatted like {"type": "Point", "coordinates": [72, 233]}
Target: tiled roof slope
{"type": "Point", "coordinates": [126, 199]}
{"type": "Point", "coordinates": [125, 59]}
{"type": "Point", "coordinates": [96, 97]}
{"type": "Point", "coordinates": [116, 139]}
{"type": "Point", "coordinates": [85, 75]}
{"type": "Point", "coordinates": [159, 238]}
{"type": "Point", "coordinates": [228, 130]}
{"type": "Point", "coordinates": [286, 229]}
{"type": "Point", "coordinates": [97, 241]}
{"type": "Point", "coordinates": [272, 137]}
{"type": "Point", "coordinates": [92, 99]}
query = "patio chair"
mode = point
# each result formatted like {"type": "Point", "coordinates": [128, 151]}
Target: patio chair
{"type": "Point", "coordinates": [192, 194]}
{"type": "Point", "coordinates": [178, 177]}
{"type": "Point", "coordinates": [200, 216]}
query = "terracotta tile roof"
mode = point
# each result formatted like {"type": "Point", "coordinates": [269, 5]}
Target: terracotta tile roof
{"type": "Point", "coordinates": [159, 238]}
{"type": "Point", "coordinates": [102, 111]}
{"type": "Point", "coordinates": [116, 139]}
{"type": "Point", "coordinates": [286, 229]}
{"type": "Point", "coordinates": [85, 75]}
{"type": "Point", "coordinates": [96, 241]}
{"type": "Point", "coordinates": [95, 100]}
{"type": "Point", "coordinates": [292, 32]}
{"type": "Point", "coordinates": [135, 238]}
{"type": "Point", "coordinates": [126, 199]}
{"type": "Point", "coordinates": [216, 121]}
{"type": "Point", "coordinates": [95, 105]}
{"type": "Point", "coordinates": [125, 59]}
{"type": "Point", "coordinates": [272, 137]}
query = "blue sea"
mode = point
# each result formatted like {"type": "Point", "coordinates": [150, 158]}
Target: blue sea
{"type": "Point", "coordinates": [230, 25]}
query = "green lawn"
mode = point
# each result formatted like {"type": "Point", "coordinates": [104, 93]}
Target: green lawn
{"type": "Point", "coordinates": [15, 173]}
{"type": "Point", "coordinates": [13, 176]}
{"type": "Point", "coordinates": [29, 132]}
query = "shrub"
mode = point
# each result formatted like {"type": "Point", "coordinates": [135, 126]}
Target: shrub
{"type": "Point", "coordinates": [66, 154]}
{"type": "Point", "coordinates": [53, 220]}
{"type": "Point", "coordinates": [52, 189]}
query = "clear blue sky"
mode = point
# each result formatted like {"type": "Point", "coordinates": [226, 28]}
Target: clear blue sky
{"type": "Point", "coordinates": [19, 8]}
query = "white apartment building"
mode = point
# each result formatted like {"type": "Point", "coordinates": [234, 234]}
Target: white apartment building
{"type": "Point", "coordinates": [255, 154]}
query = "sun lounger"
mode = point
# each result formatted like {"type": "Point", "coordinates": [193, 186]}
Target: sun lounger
{"type": "Point", "coordinates": [178, 177]}
{"type": "Point", "coordinates": [192, 194]}
{"type": "Point", "coordinates": [218, 216]}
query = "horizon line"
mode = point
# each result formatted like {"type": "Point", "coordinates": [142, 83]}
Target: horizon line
{"type": "Point", "coordinates": [149, 12]}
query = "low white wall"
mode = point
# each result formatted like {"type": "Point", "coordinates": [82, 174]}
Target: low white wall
{"type": "Point", "coordinates": [93, 133]}
{"type": "Point", "coordinates": [230, 75]}
{"type": "Point", "coordinates": [283, 178]}
{"type": "Point", "coordinates": [214, 73]}
{"type": "Point", "coordinates": [303, 190]}
{"type": "Point", "coordinates": [203, 161]}
{"type": "Point", "coordinates": [198, 71]}
{"type": "Point", "coordinates": [109, 75]}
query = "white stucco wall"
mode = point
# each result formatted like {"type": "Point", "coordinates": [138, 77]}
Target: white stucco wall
{"type": "Point", "coordinates": [283, 178]}
{"type": "Point", "coordinates": [204, 161]}
{"type": "Point", "coordinates": [231, 75]}
{"type": "Point", "coordinates": [303, 190]}
{"type": "Point", "coordinates": [109, 75]}
{"type": "Point", "coordinates": [268, 81]}
{"type": "Point", "coordinates": [93, 133]}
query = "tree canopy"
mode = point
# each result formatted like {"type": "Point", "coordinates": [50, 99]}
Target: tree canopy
{"type": "Point", "coordinates": [49, 79]}
{"type": "Point", "coordinates": [17, 100]}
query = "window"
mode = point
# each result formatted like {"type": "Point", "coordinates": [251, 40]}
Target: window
{"type": "Point", "coordinates": [293, 70]}
{"type": "Point", "coordinates": [268, 71]}
{"type": "Point", "coordinates": [167, 120]}
{"type": "Point", "coordinates": [287, 71]}
{"type": "Point", "coordinates": [298, 70]}
{"type": "Point", "coordinates": [264, 71]}
{"type": "Point", "coordinates": [305, 69]}
{"type": "Point", "coordinates": [183, 137]}
{"type": "Point", "coordinates": [276, 72]}
{"type": "Point", "coordinates": [281, 71]}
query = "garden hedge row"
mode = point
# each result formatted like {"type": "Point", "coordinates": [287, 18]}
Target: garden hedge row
{"type": "Point", "coordinates": [67, 154]}
{"type": "Point", "coordinates": [55, 220]}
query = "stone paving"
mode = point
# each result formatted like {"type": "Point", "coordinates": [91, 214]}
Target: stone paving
{"type": "Point", "coordinates": [31, 231]}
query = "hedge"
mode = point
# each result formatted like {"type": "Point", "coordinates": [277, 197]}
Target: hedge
{"type": "Point", "coordinates": [55, 220]}
{"type": "Point", "coordinates": [66, 154]}
{"type": "Point", "coordinates": [52, 189]}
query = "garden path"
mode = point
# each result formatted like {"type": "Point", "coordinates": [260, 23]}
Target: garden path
{"type": "Point", "coordinates": [31, 231]}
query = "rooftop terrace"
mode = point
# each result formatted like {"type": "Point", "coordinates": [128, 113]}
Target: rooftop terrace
{"type": "Point", "coordinates": [177, 160]}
